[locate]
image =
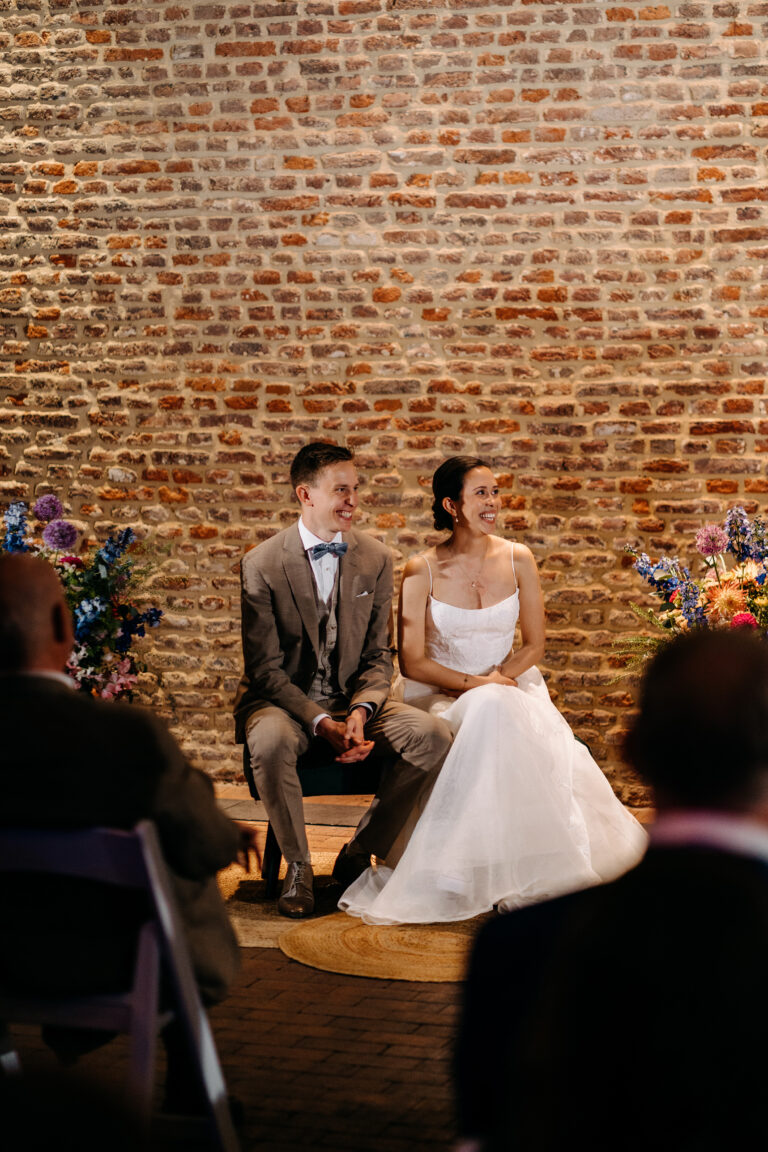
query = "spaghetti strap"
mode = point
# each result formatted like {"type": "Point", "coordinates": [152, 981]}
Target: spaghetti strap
{"type": "Point", "coordinates": [430, 573]}
{"type": "Point", "coordinates": [512, 559]}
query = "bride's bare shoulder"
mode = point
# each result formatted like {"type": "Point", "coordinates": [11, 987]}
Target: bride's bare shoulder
{"type": "Point", "coordinates": [497, 544]}
{"type": "Point", "coordinates": [523, 552]}
{"type": "Point", "coordinates": [420, 564]}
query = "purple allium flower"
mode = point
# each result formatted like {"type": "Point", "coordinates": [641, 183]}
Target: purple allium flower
{"type": "Point", "coordinates": [48, 508]}
{"type": "Point", "coordinates": [59, 535]}
{"type": "Point", "coordinates": [711, 540]}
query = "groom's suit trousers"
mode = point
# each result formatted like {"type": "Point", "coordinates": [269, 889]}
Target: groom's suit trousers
{"type": "Point", "coordinates": [411, 743]}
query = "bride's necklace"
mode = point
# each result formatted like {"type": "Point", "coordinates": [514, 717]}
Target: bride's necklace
{"type": "Point", "coordinates": [474, 581]}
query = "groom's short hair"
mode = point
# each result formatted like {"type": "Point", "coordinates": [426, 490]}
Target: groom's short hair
{"type": "Point", "coordinates": [701, 736]}
{"type": "Point", "coordinates": [310, 460]}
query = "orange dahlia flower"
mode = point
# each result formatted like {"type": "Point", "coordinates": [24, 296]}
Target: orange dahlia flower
{"type": "Point", "coordinates": [724, 601]}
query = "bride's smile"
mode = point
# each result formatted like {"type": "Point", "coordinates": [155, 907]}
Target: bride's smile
{"type": "Point", "coordinates": [479, 503]}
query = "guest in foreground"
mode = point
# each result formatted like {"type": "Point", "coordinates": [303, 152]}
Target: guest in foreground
{"type": "Point", "coordinates": [634, 1015]}
{"type": "Point", "coordinates": [68, 760]}
{"type": "Point", "coordinates": [520, 811]}
{"type": "Point", "coordinates": [316, 619]}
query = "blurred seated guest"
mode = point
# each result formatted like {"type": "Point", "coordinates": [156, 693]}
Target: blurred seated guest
{"type": "Point", "coordinates": [68, 760]}
{"type": "Point", "coordinates": [41, 1105]}
{"type": "Point", "coordinates": [634, 1015]}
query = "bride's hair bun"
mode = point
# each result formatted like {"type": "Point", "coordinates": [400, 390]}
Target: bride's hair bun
{"type": "Point", "coordinates": [448, 481]}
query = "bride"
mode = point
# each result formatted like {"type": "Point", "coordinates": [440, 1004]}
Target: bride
{"type": "Point", "coordinates": [520, 811]}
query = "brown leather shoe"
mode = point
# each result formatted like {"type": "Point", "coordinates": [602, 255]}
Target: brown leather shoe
{"type": "Point", "coordinates": [350, 863]}
{"type": "Point", "coordinates": [297, 899]}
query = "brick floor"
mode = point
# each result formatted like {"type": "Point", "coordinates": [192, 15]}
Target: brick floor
{"type": "Point", "coordinates": [337, 1062]}
{"type": "Point", "coordinates": [320, 1061]}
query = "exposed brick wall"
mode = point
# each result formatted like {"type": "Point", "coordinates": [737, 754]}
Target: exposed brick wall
{"type": "Point", "coordinates": [531, 230]}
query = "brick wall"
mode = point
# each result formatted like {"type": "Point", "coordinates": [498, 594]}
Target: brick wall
{"type": "Point", "coordinates": [529, 230]}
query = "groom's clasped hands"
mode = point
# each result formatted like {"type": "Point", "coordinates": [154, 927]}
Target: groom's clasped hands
{"type": "Point", "coordinates": [347, 740]}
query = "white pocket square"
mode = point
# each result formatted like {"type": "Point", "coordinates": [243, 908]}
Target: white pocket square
{"type": "Point", "coordinates": [366, 593]}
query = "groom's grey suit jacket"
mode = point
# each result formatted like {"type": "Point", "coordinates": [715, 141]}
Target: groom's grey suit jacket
{"type": "Point", "coordinates": [281, 633]}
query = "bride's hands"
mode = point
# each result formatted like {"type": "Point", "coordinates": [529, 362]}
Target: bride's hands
{"type": "Point", "coordinates": [494, 677]}
{"type": "Point", "coordinates": [497, 677]}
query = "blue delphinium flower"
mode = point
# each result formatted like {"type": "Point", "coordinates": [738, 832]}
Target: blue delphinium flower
{"type": "Point", "coordinates": [739, 531]}
{"type": "Point", "coordinates": [666, 572]}
{"type": "Point", "coordinates": [643, 564]}
{"type": "Point", "coordinates": [16, 528]}
{"type": "Point", "coordinates": [759, 540]}
{"type": "Point", "coordinates": [666, 576]}
{"type": "Point", "coordinates": [87, 613]}
{"type": "Point", "coordinates": [134, 623]}
{"type": "Point", "coordinates": [688, 603]}
{"type": "Point", "coordinates": [114, 547]}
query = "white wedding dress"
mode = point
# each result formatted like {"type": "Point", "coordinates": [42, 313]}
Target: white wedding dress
{"type": "Point", "coordinates": [520, 811]}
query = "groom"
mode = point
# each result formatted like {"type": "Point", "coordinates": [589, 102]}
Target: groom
{"type": "Point", "coordinates": [316, 623]}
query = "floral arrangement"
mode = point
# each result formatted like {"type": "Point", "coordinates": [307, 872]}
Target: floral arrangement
{"type": "Point", "coordinates": [720, 597]}
{"type": "Point", "coordinates": [99, 591]}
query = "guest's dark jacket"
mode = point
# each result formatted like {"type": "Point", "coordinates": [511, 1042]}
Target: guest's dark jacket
{"type": "Point", "coordinates": [67, 760]}
{"type": "Point", "coordinates": [633, 1015]}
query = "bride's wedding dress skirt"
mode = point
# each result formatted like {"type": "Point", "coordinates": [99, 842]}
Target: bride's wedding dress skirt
{"type": "Point", "coordinates": [519, 813]}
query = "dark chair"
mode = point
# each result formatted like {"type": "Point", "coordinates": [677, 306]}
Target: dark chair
{"type": "Point", "coordinates": [127, 860]}
{"type": "Point", "coordinates": [319, 775]}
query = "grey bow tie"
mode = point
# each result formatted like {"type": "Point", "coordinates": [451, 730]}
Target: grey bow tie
{"type": "Point", "coordinates": [334, 548]}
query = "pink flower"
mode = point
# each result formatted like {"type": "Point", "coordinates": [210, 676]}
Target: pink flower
{"type": "Point", "coordinates": [711, 540]}
{"type": "Point", "coordinates": [121, 680]}
{"type": "Point", "coordinates": [743, 620]}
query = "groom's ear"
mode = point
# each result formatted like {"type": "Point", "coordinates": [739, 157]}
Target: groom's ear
{"type": "Point", "coordinates": [303, 494]}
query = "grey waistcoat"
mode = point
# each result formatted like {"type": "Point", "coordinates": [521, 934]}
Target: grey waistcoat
{"type": "Point", "coordinates": [326, 683]}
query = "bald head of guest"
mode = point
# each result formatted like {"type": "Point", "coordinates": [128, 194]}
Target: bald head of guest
{"type": "Point", "coordinates": [35, 622]}
{"type": "Point", "coordinates": [700, 738]}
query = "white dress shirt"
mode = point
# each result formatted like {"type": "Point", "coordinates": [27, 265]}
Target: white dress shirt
{"type": "Point", "coordinates": [49, 674]}
{"type": "Point", "coordinates": [725, 831]}
{"type": "Point", "coordinates": [324, 569]}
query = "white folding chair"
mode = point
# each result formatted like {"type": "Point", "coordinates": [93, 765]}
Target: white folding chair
{"type": "Point", "coordinates": [130, 860]}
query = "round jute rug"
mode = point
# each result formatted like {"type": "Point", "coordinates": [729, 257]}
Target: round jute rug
{"type": "Point", "coordinates": [432, 953]}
